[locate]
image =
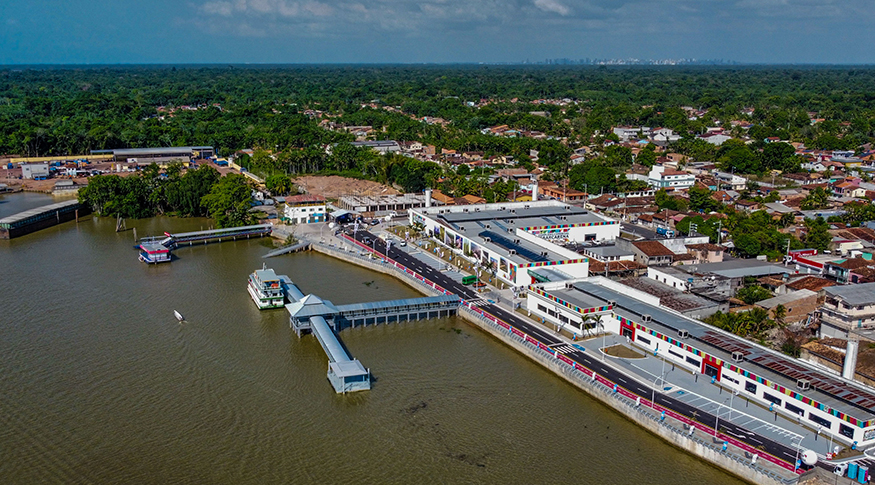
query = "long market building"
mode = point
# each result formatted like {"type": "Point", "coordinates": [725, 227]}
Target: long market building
{"type": "Point", "coordinates": [518, 241]}
{"type": "Point", "coordinates": [820, 399]}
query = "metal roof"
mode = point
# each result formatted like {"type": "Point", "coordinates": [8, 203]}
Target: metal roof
{"type": "Point", "coordinates": [157, 150]}
{"type": "Point", "coordinates": [508, 245]}
{"type": "Point", "coordinates": [347, 369]}
{"type": "Point", "coordinates": [311, 305]}
{"type": "Point", "coordinates": [37, 211]}
{"type": "Point", "coordinates": [219, 231]}
{"type": "Point", "coordinates": [377, 305]}
{"type": "Point", "coordinates": [737, 268]}
{"type": "Point", "coordinates": [523, 217]}
{"type": "Point", "coordinates": [837, 393]}
{"type": "Point", "coordinates": [857, 295]}
{"type": "Point", "coordinates": [326, 337]}
{"type": "Point", "coordinates": [607, 251]}
{"type": "Point", "coordinates": [266, 275]}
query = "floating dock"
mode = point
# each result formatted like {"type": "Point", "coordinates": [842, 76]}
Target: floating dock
{"type": "Point", "coordinates": [40, 218]}
{"type": "Point", "coordinates": [309, 313]}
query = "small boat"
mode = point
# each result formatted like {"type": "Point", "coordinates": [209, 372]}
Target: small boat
{"type": "Point", "coordinates": [178, 316]}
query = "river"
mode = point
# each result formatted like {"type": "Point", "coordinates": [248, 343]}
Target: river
{"type": "Point", "coordinates": [101, 384]}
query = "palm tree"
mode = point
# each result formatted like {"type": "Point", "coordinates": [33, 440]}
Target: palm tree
{"type": "Point", "coordinates": [588, 322]}
{"type": "Point", "coordinates": [779, 313]}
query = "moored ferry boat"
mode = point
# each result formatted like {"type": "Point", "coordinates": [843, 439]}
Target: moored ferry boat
{"type": "Point", "coordinates": [265, 289]}
{"type": "Point", "coordinates": [153, 253]}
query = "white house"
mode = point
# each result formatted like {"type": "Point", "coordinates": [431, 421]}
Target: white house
{"type": "Point", "coordinates": [661, 177]}
{"type": "Point", "coordinates": [666, 135]}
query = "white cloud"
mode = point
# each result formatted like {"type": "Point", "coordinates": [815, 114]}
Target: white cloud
{"type": "Point", "coordinates": [552, 6]}
{"type": "Point", "coordinates": [218, 8]}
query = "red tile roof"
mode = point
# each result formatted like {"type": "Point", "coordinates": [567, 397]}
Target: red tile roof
{"type": "Point", "coordinates": [652, 248]}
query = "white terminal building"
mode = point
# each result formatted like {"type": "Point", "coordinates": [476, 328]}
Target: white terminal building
{"type": "Point", "coordinates": [305, 209]}
{"type": "Point", "coordinates": [817, 398]}
{"type": "Point", "coordinates": [518, 240]}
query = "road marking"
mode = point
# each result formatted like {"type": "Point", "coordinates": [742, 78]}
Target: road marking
{"type": "Point", "coordinates": [563, 348]}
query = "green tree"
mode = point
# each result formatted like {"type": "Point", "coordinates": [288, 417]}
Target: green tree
{"type": "Point", "coordinates": [229, 202]}
{"type": "Point", "coordinates": [593, 177]}
{"type": "Point", "coordinates": [816, 199]}
{"type": "Point", "coordinates": [817, 234]}
{"type": "Point", "coordinates": [185, 193]}
{"type": "Point", "coordinates": [647, 155]}
{"type": "Point", "coordinates": [700, 199]}
{"type": "Point", "coordinates": [753, 294]}
{"type": "Point", "coordinates": [668, 202]}
{"type": "Point", "coordinates": [748, 245]}
{"type": "Point", "coordinates": [278, 184]}
{"type": "Point", "coordinates": [736, 156]}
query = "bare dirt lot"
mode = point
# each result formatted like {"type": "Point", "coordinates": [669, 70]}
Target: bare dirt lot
{"type": "Point", "coordinates": [333, 187]}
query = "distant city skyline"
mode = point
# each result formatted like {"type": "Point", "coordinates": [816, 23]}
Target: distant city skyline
{"type": "Point", "coordinates": [433, 31]}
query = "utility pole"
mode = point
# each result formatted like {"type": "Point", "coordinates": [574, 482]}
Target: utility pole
{"type": "Point", "coordinates": [719, 230]}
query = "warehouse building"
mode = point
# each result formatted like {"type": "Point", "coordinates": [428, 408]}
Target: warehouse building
{"type": "Point", "coordinates": [160, 155]}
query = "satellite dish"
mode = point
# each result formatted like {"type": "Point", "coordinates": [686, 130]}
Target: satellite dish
{"type": "Point", "coordinates": [809, 457]}
{"type": "Point", "coordinates": [331, 225]}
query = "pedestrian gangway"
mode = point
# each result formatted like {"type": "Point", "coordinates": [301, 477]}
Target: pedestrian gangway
{"type": "Point", "coordinates": [309, 313]}
{"type": "Point", "coordinates": [216, 235]}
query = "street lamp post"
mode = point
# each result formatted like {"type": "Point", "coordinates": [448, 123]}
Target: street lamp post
{"type": "Point", "coordinates": [604, 338]}
{"type": "Point", "coordinates": [717, 421]}
{"type": "Point", "coordinates": [660, 377]}
{"type": "Point", "coordinates": [734, 393]}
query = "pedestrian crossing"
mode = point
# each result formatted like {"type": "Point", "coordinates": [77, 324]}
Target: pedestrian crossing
{"type": "Point", "coordinates": [478, 301]}
{"type": "Point", "coordinates": [564, 349]}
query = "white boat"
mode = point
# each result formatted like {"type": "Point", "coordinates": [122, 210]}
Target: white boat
{"type": "Point", "coordinates": [265, 289]}
{"type": "Point", "coordinates": [178, 316]}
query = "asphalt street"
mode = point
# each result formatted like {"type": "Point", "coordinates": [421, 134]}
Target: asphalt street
{"type": "Point", "coordinates": [549, 338]}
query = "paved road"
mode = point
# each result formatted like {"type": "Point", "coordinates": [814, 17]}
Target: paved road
{"type": "Point", "coordinates": [549, 338]}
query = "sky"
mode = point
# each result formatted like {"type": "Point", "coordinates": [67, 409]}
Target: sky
{"type": "Point", "coordinates": [432, 31]}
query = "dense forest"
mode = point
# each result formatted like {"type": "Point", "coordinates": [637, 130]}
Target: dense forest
{"type": "Point", "coordinates": [63, 111]}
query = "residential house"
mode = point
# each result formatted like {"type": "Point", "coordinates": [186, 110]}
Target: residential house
{"type": "Point", "coordinates": [706, 253]}
{"type": "Point", "coordinates": [848, 189]}
{"type": "Point", "coordinates": [847, 307]}
{"type": "Point", "coordinates": [747, 205]}
{"type": "Point", "coordinates": [661, 177]}
{"type": "Point", "coordinates": [651, 253]}
{"type": "Point", "coordinates": [714, 138]}
{"type": "Point", "coordinates": [813, 283]}
{"type": "Point", "coordinates": [442, 198]}
{"type": "Point", "coordinates": [552, 190]}
{"type": "Point", "coordinates": [797, 305]}
{"type": "Point", "coordinates": [731, 180]}
{"type": "Point", "coordinates": [853, 270]}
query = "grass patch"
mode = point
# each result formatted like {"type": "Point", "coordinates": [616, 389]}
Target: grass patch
{"type": "Point", "coordinates": [623, 352]}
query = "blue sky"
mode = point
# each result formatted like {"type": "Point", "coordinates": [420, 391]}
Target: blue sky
{"type": "Point", "coordinates": [328, 31]}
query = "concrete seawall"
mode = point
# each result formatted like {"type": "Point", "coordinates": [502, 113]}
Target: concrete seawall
{"type": "Point", "coordinates": [703, 448]}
